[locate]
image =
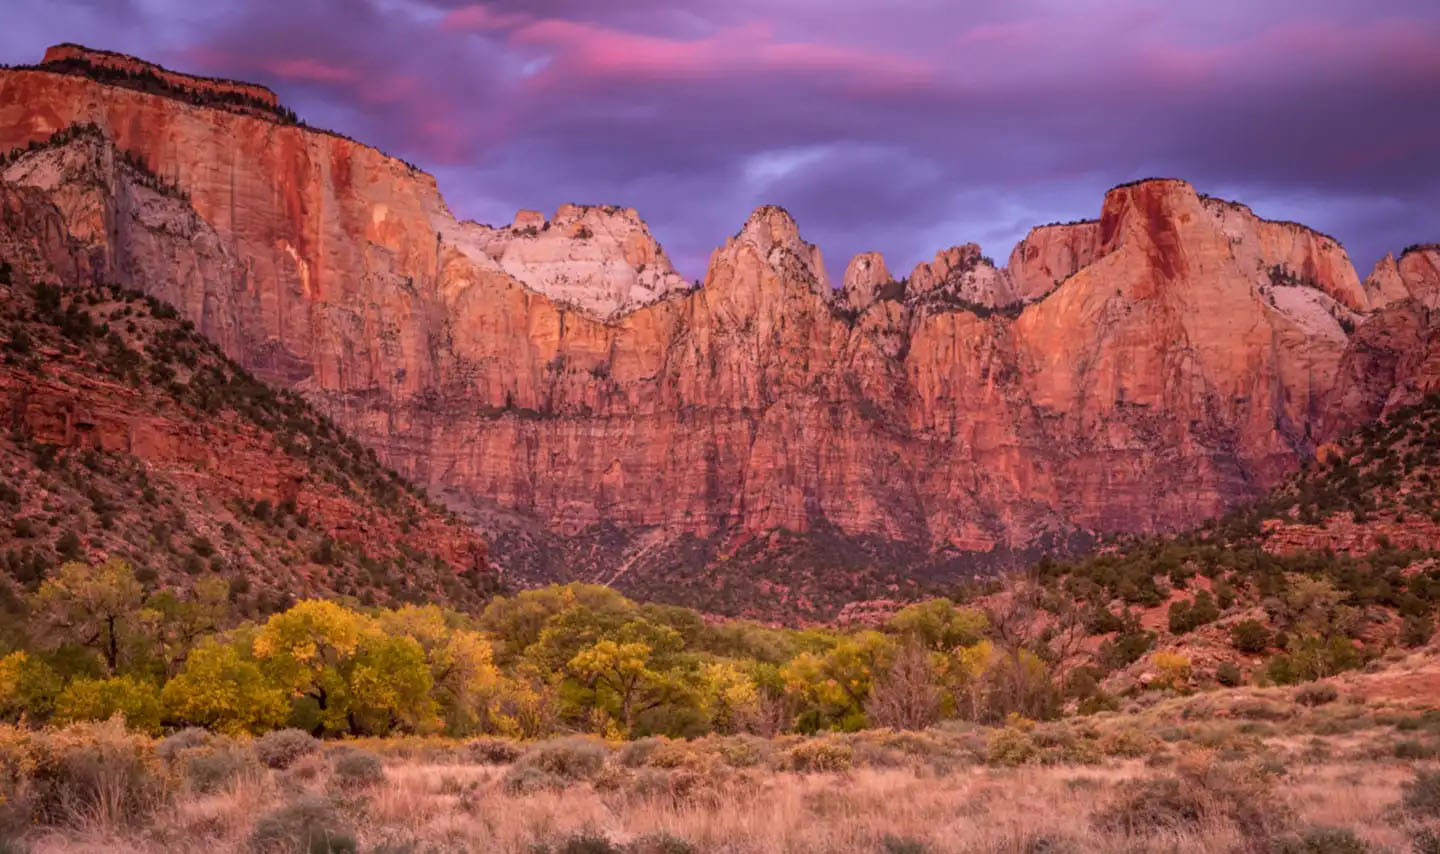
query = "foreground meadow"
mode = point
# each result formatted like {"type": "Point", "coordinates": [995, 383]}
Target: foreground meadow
{"type": "Point", "coordinates": [1330, 768]}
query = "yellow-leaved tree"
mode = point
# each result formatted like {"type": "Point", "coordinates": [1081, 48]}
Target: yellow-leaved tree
{"type": "Point", "coordinates": [222, 688]}
{"type": "Point", "coordinates": [97, 607]}
{"type": "Point", "coordinates": [345, 674]}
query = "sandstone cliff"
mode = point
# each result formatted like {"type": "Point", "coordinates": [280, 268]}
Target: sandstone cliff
{"type": "Point", "coordinates": [126, 433]}
{"type": "Point", "coordinates": [1138, 372]}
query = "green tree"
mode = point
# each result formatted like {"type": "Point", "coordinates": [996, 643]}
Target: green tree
{"type": "Point", "coordinates": [97, 607]}
{"type": "Point", "coordinates": [171, 625]}
{"type": "Point", "coordinates": [467, 684]}
{"type": "Point", "coordinates": [938, 625]}
{"type": "Point", "coordinates": [223, 690]}
{"type": "Point", "coordinates": [1250, 636]}
{"type": "Point", "coordinates": [304, 651]}
{"type": "Point", "coordinates": [620, 674]}
{"type": "Point", "coordinates": [28, 688]}
{"type": "Point", "coordinates": [388, 686]}
{"type": "Point", "coordinates": [516, 622]}
{"type": "Point", "coordinates": [101, 699]}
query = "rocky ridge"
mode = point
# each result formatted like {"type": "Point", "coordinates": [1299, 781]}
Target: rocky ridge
{"type": "Point", "coordinates": [1158, 365]}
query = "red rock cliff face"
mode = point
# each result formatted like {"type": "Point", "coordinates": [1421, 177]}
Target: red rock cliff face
{"type": "Point", "coordinates": [1139, 372]}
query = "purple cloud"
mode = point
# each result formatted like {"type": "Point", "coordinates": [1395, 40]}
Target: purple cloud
{"type": "Point", "coordinates": [898, 125]}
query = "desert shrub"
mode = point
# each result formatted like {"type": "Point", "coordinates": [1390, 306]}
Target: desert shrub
{"type": "Point", "coordinates": [1128, 741]}
{"type": "Point", "coordinates": [357, 769]}
{"type": "Point", "coordinates": [279, 749]}
{"type": "Point", "coordinates": [662, 843]}
{"type": "Point", "coordinates": [524, 779]}
{"type": "Point", "coordinates": [1412, 750]}
{"type": "Point", "coordinates": [493, 751]}
{"type": "Point", "coordinates": [1417, 630]}
{"type": "Point", "coordinates": [588, 843]}
{"type": "Point", "coordinates": [1186, 615]}
{"type": "Point", "coordinates": [204, 762]}
{"type": "Point", "coordinates": [902, 845]}
{"type": "Point", "coordinates": [743, 751]}
{"type": "Point", "coordinates": [209, 770]}
{"type": "Point", "coordinates": [1011, 746]}
{"type": "Point", "coordinates": [1229, 674]}
{"type": "Point", "coordinates": [1321, 840]}
{"type": "Point", "coordinates": [1200, 792]}
{"type": "Point", "coordinates": [1422, 794]}
{"type": "Point", "coordinates": [676, 785]}
{"type": "Point", "coordinates": [172, 746]}
{"type": "Point", "coordinates": [1317, 694]}
{"type": "Point", "coordinates": [1261, 709]}
{"type": "Point", "coordinates": [819, 755]}
{"type": "Point", "coordinates": [1250, 636]}
{"type": "Point", "coordinates": [1159, 803]}
{"type": "Point", "coordinates": [306, 768]}
{"type": "Point", "coordinates": [1171, 670]}
{"type": "Point", "coordinates": [1060, 744]}
{"type": "Point", "coordinates": [308, 824]}
{"type": "Point", "coordinates": [1425, 841]}
{"type": "Point", "coordinates": [97, 773]}
{"type": "Point", "coordinates": [574, 758]}
{"type": "Point", "coordinates": [638, 752]}
{"type": "Point", "coordinates": [677, 754]}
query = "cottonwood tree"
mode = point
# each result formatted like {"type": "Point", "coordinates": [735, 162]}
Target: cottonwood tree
{"type": "Point", "coordinates": [638, 669]}
{"type": "Point", "coordinates": [359, 679]}
{"type": "Point", "coordinates": [222, 689]}
{"type": "Point", "coordinates": [906, 696]}
{"type": "Point", "coordinates": [467, 684]}
{"type": "Point", "coordinates": [97, 607]}
{"type": "Point", "coordinates": [1040, 639]}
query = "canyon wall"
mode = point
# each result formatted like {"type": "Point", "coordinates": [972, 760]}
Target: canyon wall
{"type": "Point", "coordinates": [1141, 371]}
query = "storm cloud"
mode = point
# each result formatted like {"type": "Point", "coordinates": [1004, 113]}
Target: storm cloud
{"type": "Point", "coordinates": [898, 125]}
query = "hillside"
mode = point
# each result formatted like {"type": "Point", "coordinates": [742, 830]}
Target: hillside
{"type": "Point", "coordinates": [127, 433]}
{"type": "Point", "coordinates": [1336, 567]}
{"type": "Point", "coordinates": [557, 385]}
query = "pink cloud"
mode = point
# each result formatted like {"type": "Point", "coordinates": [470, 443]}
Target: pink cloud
{"type": "Point", "coordinates": [300, 69]}
{"type": "Point", "coordinates": [479, 17]}
{"type": "Point", "coordinates": [580, 48]}
{"type": "Point", "coordinates": [1408, 47]}
{"type": "Point", "coordinates": [308, 70]}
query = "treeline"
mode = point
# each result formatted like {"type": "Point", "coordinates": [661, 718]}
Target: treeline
{"type": "Point", "coordinates": [583, 658]}
{"type": "Point", "coordinates": [559, 659]}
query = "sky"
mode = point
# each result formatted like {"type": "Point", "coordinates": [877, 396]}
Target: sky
{"type": "Point", "coordinates": [904, 126]}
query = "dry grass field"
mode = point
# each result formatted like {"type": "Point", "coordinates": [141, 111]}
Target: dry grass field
{"type": "Point", "coordinates": [1330, 768]}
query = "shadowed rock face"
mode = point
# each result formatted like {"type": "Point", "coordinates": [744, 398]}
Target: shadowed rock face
{"type": "Point", "coordinates": [1134, 373]}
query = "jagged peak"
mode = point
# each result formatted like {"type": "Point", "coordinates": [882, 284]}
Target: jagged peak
{"type": "Point", "coordinates": [568, 213]}
{"type": "Point", "coordinates": [774, 235]}
{"type": "Point", "coordinates": [1419, 247]}
{"type": "Point", "coordinates": [865, 275]}
{"type": "Point", "coordinates": [865, 265]}
{"type": "Point", "coordinates": [1387, 262]}
{"type": "Point", "coordinates": [772, 224]}
{"type": "Point", "coordinates": [601, 260]}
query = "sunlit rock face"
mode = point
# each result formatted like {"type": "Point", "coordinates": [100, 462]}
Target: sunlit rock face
{"type": "Point", "coordinates": [1136, 372]}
